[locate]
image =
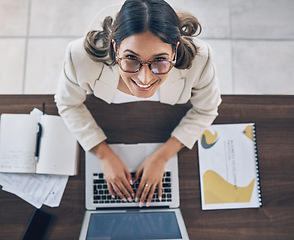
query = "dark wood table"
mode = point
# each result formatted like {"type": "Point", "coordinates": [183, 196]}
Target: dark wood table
{"type": "Point", "coordinates": [153, 122]}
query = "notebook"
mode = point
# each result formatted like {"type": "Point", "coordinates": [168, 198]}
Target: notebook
{"type": "Point", "coordinates": [18, 145]}
{"type": "Point", "coordinates": [228, 165]}
{"type": "Point", "coordinates": [108, 218]}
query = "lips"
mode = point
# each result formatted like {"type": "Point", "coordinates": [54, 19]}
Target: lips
{"type": "Point", "coordinates": [143, 87]}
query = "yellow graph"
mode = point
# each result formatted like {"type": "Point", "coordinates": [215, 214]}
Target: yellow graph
{"type": "Point", "coordinates": [208, 139]}
{"type": "Point", "coordinates": [218, 190]}
{"type": "Point", "coordinates": [249, 132]}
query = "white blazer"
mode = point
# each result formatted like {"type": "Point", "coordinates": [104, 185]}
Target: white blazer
{"type": "Point", "coordinates": [81, 76]}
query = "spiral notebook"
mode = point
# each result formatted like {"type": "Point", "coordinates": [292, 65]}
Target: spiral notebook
{"type": "Point", "coordinates": [228, 166]}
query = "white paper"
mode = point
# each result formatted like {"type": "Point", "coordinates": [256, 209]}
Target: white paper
{"type": "Point", "coordinates": [17, 152]}
{"type": "Point", "coordinates": [54, 197]}
{"type": "Point", "coordinates": [33, 188]}
{"type": "Point", "coordinates": [63, 160]}
{"type": "Point", "coordinates": [36, 189]}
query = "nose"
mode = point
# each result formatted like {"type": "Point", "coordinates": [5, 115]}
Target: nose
{"type": "Point", "coordinates": [145, 75]}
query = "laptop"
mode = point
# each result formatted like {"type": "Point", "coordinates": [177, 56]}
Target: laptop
{"type": "Point", "coordinates": [108, 218]}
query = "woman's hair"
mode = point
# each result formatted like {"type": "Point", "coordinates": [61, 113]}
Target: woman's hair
{"type": "Point", "coordinates": [138, 16]}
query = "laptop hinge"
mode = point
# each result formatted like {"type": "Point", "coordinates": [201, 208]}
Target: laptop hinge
{"type": "Point", "coordinates": [132, 208]}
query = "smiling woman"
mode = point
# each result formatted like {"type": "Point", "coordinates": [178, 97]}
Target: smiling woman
{"type": "Point", "coordinates": [148, 52]}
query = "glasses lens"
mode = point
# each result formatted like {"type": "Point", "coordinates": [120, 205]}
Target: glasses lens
{"type": "Point", "coordinates": [130, 65]}
{"type": "Point", "coordinates": [160, 67]}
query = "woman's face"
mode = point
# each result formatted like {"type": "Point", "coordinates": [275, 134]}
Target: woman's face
{"type": "Point", "coordinates": [145, 47]}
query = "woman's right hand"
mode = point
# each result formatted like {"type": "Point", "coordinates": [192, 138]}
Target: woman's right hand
{"type": "Point", "coordinates": [117, 175]}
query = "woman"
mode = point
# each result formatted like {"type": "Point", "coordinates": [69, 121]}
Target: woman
{"type": "Point", "coordinates": [147, 53]}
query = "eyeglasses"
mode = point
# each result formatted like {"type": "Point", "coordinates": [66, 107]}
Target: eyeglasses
{"type": "Point", "coordinates": [133, 65]}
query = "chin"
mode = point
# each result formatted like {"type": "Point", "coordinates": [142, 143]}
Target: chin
{"type": "Point", "coordinates": [143, 94]}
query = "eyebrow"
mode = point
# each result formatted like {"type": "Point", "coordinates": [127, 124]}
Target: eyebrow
{"type": "Point", "coordinates": [138, 55]}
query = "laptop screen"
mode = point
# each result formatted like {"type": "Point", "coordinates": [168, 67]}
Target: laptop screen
{"type": "Point", "coordinates": [133, 225]}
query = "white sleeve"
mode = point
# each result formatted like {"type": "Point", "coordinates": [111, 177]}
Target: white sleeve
{"type": "Point", "coordinates": [205, 99]}
{"type": "Point", "coordinates": [69, 98]}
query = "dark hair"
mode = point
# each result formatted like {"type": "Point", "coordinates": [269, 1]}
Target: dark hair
{"type": "Point", "coordinates": [138, 16]}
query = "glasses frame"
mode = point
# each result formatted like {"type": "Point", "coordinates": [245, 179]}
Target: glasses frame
{"type": "Point", "coordinates": [172, 64]}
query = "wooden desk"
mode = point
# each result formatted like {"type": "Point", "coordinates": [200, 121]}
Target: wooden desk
{"type": "Point", "coordinates": [151, 122]}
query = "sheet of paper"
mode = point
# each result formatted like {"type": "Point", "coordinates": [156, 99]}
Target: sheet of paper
{"type": "Point", "coordinates": [63, 160]}
{"type": "Point", "coordinates": [33, 188]}
{"type": "Point", "coordinates": [55, 196]}
{"type": "Point", "coordinates": [20, 138]}
{"type": "Point", "coordinates": [36, 189]}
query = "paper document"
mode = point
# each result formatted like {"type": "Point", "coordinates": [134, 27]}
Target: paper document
{"type": "Point", "coordinates": [228, 165]}
{"type": "Point", "coordinates": [36, 189]}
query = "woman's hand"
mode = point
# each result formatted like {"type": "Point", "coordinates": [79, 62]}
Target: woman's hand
{"type": "Point", "coordinates": [117, 175]}
{"type": "Point", "coordinates": [152, 171]}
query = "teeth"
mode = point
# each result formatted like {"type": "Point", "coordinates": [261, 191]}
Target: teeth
{"type": "Point", "coordinates": [143, 86]}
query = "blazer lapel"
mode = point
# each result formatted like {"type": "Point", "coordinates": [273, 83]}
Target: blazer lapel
{"type": "Point", "coordinates": [172, 88]}
{"type": "Point", "coordinates": [106, 84]}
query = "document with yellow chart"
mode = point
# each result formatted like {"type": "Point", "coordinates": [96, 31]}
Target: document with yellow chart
{"type": "Point", "coordinates": [228, 165]}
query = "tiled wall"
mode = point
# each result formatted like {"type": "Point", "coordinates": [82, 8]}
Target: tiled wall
{"type": "Point", "coordinates": [253, 41]}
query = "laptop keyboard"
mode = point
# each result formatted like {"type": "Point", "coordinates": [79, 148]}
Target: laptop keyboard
{"type": "Point", "coordinates": [102, 195]}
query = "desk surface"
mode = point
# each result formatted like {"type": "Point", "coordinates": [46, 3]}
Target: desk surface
{"type": "Point", "coordinates": [152, 122]}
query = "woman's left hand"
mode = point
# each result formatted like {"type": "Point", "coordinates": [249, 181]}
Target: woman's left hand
{"type": "Point", "coordinates": [151, 172]}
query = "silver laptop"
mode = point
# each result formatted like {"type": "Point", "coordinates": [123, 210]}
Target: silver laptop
{"type": "Point", "coordinates": [108, 218]}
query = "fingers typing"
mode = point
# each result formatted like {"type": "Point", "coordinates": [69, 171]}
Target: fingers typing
{"type": "Point", "coordinates": [141, 191]}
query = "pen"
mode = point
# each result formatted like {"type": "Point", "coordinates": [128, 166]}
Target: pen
{"type": "Point", "coordinates": [43, 108]}
{"type": "Point", "coordinates": [39, 134]}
